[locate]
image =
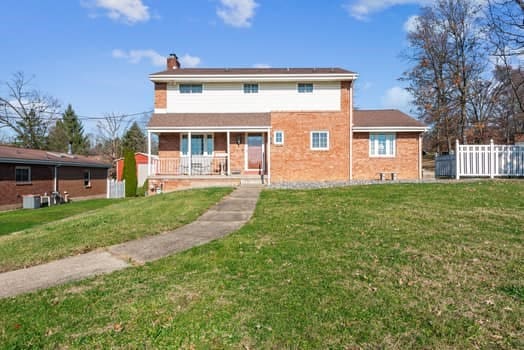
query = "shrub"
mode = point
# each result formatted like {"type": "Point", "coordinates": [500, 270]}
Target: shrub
{"type": "Point", "coordinates": [130, 173]}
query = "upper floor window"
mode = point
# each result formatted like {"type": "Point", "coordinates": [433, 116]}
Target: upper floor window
{"type": "Point", "coordinates": [23, 175]}
{"type": "Point", "coordinates": [190, 88]}
{"type": "Point", "coordinates": [278, 138]}
{"type": "Point", "coordinates": [382, 144]}
{"type": "Point", "coordinates": [305, 87]}
{"type": "Point", "coordinates": [251, 88]}
{"type": "Point", "coordinates": [320, 140]}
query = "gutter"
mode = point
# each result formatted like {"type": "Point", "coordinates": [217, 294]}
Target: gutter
{"type": "Point", "coordinates": [252, 77]}
{"type": "Point", "coordinates": [390, 128]}
{"type": "Point", "coordinates": [50, 162]}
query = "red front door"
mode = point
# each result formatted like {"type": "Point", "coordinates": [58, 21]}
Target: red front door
{"type": "Point", "coordinates": [255, 151]}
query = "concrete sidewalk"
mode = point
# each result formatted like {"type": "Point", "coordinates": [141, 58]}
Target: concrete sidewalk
{"type": "Point", "coordinates": [227, 216]}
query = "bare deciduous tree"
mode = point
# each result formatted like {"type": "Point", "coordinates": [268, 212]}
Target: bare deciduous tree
{"type": "Point", "coordinates": [110, 129]}
{"type": "Point", "coordinates": [448, 59]}
{"type": "Point", "coordinates": [506, 34]}
{"type": "Point", "coordinates": [27, 112]}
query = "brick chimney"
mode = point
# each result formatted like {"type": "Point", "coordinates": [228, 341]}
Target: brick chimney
{"type": "Point", "coordinates": [172, 62]}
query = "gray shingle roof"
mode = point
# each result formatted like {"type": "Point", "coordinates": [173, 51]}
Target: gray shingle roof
{"type": "Point", "coordinates": [210, 120]}
{"type": "Point", "coordinates": [9, 154]}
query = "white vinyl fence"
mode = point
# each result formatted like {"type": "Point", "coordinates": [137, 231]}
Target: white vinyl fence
{"type": "Point", "coordinates": [481, 161]}
{"type": "Point", "coordinates": [116, 189]}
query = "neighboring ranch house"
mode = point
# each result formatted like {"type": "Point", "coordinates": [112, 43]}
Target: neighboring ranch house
{"type": "Point", "coordinates": [281, 125]}
{"type": "Point", "coordinates": [29, 171]}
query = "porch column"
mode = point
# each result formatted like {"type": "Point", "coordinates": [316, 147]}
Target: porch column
{"type": "Point", "coordinates": [228, 153]}
{"type": "Point", "coordinates": [189, 156]}
{"type": "Point", "coordinates": [149, 153]}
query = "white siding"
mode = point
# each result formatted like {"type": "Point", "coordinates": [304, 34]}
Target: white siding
{"type": "Point", "coordinates": [230, 98]}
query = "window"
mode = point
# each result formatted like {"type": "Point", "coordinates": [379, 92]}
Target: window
{"type": "Point", "coordinates": [319, 140]}
{"type": "Point", "coordinates": [278, 138]}
{"type": "Point", "coordinates": [381, 145]}
{"type": "Point", "coordinates": [201, 144]}
{"type": "Point", "coordinates": [87, 178]}
{"type": "Point", "coordinates": [305, 88]}
{"type": "Point", "coordinates": [251, 88]}
{"type": "Point", "coordinates": [23, 175]}
{"type": "Point", "coordinates": [190, 88]}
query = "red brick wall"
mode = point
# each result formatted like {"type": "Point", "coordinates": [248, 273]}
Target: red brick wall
{"type": "Point", "coordinates": [11, 193]}
{"type": "Point", "coordinates": [295, 161]}
{"type": "Point", "coordinates": [237, 152]}
{"type": "Point", "coordinates": [160, 95]}
{"type": "Point", "coordinates": [405, 163]}
{"type": "Point", "coordinates": [220, 142]}
{"type": "Point", "coordinates": [70, 179]}
{"type": "Point", "coordinates": [169, 145]}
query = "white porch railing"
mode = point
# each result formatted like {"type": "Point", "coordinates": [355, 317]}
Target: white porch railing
{"type": "Point", "coordinates": [194, 165]}
{"type": "Point", "coordinates": [482, 160]}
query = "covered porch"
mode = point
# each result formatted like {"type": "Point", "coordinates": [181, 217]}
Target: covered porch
{"type": "Point", "coordinates": [210, 147]}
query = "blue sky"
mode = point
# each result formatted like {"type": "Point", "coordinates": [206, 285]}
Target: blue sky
{"type": "Point", "coordinates": [97, 54]}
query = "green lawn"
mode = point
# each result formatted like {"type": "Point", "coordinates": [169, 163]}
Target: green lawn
{"type": "Point", "coordinates": [21, 219]}
{"type": "Point", "coordinates": [119, 222]}
{"type": "Point", "coordinates": [387, 266]}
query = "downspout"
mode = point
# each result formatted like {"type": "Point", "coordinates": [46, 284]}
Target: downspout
{"type": "Point", "coordinates": [55, 185]}
{"type": "Point", "coordinates": [420, 174]}
{"type": "Point", "coordinates": [268, 156]}
{"type": "Point", "coordinates": [351, 131]}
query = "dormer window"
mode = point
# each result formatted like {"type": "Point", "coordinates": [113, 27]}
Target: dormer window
{"type": "Point", "coordinates": [305, 88]}
{"type": "Point", "coordinates": [251, 88]}
{"type": "Point", "coordinates": [190, 88]}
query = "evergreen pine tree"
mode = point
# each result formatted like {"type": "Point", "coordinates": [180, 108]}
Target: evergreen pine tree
{"type": "Point", "coordinates": [130, 173]}
{"type": "Point", "coordinates": [134, 139]}
{"type": "Point", "coordinates": [67, 130]}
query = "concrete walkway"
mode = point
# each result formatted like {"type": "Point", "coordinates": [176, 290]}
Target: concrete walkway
{"type": "Point", "coordinates": [225, 217]}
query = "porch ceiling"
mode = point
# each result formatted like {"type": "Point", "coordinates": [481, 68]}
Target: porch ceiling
{"type": "Point", "coordinates": [209, 120]}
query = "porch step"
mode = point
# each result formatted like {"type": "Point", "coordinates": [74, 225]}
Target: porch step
{"type": "Point", "coordinates": [252, 181]}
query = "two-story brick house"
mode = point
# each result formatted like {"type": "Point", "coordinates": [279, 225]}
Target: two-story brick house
{"type": "Point", "coordinates": [229, 125]}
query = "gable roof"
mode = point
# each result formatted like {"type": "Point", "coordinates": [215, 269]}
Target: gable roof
{"type": "Point", "coordinates": [209, 120]}
{"type": "Point", "coordinates": [10, 154]}
{"type": "Point", "coordinates": [385, 120]}
{"type": "Point", "coordinates": [257, 74]}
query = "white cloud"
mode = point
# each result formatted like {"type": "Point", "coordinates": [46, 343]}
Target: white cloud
{"type": "Point", "coordinates": [397, 98]}
{"type": "Point", "coordinates": [261, 65]}
{"type": "Point", "coordinates": [156, 59]}
{"type": "Point", "coordinates": [362, 9]}
{"type": "Point", "coordinates": [411, 24]}
{"type": "Point", "coordinates": [136, 56]}
{"type": "Point", "coordinates": [129, 11]}
{"type": "Point", "coordinates": [237, 13]}
{"type": "Point", "coordinates": [188, 61]}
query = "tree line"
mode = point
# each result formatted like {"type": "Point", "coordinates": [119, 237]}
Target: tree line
{"type": "Point", "coordinates": [36, 121]}
{"type": "Point", "coordinates": [466, 75]}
